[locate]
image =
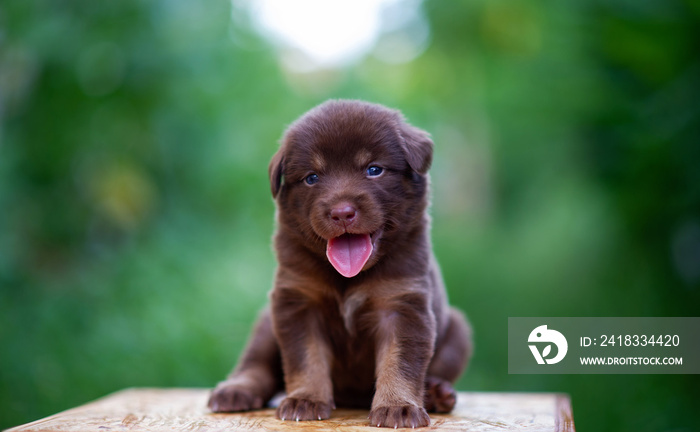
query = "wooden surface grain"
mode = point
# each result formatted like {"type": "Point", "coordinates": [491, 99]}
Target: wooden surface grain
{"type": "Point", "coordinates": [156, 410]}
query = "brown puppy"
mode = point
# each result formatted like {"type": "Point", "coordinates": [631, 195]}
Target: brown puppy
{"type": "Point", "coordinates": [358, 315]}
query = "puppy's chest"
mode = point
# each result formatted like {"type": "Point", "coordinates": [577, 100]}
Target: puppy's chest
{"type": "Point", "coordinates": [351, 309]}
{"type": "Point", "coordinates": [349, 320]}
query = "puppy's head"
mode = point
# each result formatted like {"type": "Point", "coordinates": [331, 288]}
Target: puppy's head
{"type": "Point", "coordinates": [349, 178]}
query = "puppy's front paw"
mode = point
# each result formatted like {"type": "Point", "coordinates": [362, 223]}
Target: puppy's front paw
{"type": "Point", "coordinates": [232, 397]}
{"type": "Point", "coordinates": [399, 417]}
{"type": "Point", "coordinates": [303, 409]}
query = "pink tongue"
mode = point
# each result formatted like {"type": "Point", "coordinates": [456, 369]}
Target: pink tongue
{"type": "Point", "coordinates": [349, 253]}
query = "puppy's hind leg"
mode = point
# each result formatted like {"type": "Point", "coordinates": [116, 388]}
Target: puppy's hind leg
{"type": "Point", "coordinates": [451, 356]}
{"type": "Point", "coordinates": [258, 375]}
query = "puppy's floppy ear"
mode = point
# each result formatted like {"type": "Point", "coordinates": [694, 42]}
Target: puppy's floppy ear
{"type": "Point", "coordinates": [417, 146]}
{"type": "Point", "coordinates": [275, 171]}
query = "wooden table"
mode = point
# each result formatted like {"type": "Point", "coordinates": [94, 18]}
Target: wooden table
{"type": "Point", "coordinates": [169, 410]}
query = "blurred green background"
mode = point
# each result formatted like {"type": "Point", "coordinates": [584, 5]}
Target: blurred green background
{"type": "Point", "coordinates": [136, 217]}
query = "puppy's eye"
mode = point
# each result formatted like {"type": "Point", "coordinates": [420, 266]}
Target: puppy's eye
{"type": "Point", "coordinates": [374, 171]}
{"type": "Point", "coordinates": [311, 179]}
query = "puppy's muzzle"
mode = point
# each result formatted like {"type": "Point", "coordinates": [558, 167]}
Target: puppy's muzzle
{"type": "Point", "coordinates": [343, 214]}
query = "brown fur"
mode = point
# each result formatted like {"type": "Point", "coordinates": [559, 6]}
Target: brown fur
{"type": "Point", "coordinates": [385, 339]}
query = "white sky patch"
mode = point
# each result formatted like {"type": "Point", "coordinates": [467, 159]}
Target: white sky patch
{"type": "Point", "coordinates": [329, 33]}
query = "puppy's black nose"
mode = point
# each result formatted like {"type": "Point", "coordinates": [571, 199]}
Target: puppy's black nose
{"type": "Point", "coordinates": [343, 214]}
